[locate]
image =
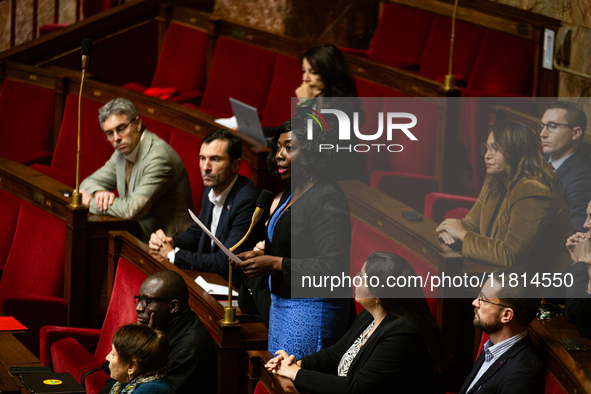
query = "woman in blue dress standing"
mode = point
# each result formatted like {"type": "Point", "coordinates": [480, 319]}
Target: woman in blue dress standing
{"type": "Point", "coordinates": [309, 234]}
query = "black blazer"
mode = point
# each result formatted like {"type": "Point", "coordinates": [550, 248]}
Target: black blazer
{"type": "Point", "coordinates": [575, 175]}
{"type": "Point", "coordinates": [518, 370]}
{"type": "Point", "coordinates": [196, 251]}
{"type": "Point", "coordinates": [394, 359]}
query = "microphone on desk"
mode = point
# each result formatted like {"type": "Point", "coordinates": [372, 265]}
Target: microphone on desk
{"type": "Point", "coordinates": [76, 195]}
{"type": "Point", "coordinates": [263, 202]}
{"type": "Point", "coordinates": [86, 49]}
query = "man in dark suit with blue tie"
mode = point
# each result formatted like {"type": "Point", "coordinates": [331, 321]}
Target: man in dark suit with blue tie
{"type": "Point", "coordinates": [509, 362]}
{"type": "Point", "coordinates": [229, 201]}
{"type": "Point", "coordinates": [561, 132]}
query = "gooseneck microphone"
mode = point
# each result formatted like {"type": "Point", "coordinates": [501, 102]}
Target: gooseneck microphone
{"type": "Point", "coordinates": [76, 196]}
{"type": "Point", "coordinates": [263, 202]}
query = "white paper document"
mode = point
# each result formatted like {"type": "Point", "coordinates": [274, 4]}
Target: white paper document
{"type": "Point", "coordinates": [231, 255]}
{"type": "Point", "coordinates": [214, 289]}
{"type": "Point", "coordinates": [229, 123]}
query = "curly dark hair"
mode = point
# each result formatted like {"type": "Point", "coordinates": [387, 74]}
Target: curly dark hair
{"type": "Point", "coordinates": [313, 161]}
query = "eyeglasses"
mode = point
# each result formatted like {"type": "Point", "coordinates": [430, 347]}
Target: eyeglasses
{"type": "Point", "coordinates": [122, 129]}
{"type": "Point", "coordinates": [145, 301]}
{"type": "Point", "coordinates": [486, 147]}
{"type": "Point", "coordinates": [481, 300]}
{"type": "Point", "coordinates": [551, 126]}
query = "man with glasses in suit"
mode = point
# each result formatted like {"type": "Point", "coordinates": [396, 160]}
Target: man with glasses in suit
{"type": "Point", "coordinates": [150, 177]}
{"type": "Point", "coordinates": [509, 362]}
{"type": "Point", "coordinates": [561, 132]}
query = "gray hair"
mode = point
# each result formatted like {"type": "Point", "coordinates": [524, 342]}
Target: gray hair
{"type": "Point", "coordinates": [118, 106]}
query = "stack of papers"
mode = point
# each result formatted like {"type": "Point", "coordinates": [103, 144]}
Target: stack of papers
{"type": "Point", "coordinates": [214, 289]}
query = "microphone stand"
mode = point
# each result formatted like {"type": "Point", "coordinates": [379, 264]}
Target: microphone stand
{"type": "Point", "coordinates": [230, 311]}
{"type": "Point", "coordinates": [263, 203]}
{"type": "Point", "coordinates": [450, 81]}
{"type": "Point", "coordinates": [76, 195]}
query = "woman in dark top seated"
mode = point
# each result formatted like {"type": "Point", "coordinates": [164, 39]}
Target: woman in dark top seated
{"type": "Point", "coordinates": [138, 360]}
{"type": "Point", "coordinates": [520, 217]}
{"type": "Point", "coordinates": [393, 346]}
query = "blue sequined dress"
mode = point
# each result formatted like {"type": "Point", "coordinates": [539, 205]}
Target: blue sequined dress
{"type": "Point", "coordinates": [313, 232]}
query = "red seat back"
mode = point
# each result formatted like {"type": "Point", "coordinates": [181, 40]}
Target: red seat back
{"type": "Point", "coordinates": [26, 121]}
{"type": "Point", "coordinates": [182, 60]}
{"type": "Point", "coordinates": [504, 66]}
{"type": "Point", "coordinates": [417, 157]}
{"type": "Point", "coordinates": [400, 36]}
{"type": "Point", "coordinates": [287, 77]}
{"type": "Point", "coordinates": [187, 146]}
{"type": "Point", "coordinates": [240, 71]}
{"type": "Point", "coordinates": [160, 129]}
{"type": "Point", "coordinates": [94, 150]}
{"type": "Point", "coordinates": [435, 59]}
{"type": "Point", "coordinates": [9, 210]}
{"type": "Point", "coordinates": [128, 281]}
{"type": "Point", "coordinates": [35, 264]}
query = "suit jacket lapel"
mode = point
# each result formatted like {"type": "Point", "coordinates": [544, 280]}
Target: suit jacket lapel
{"type": "Point", "coordinates": [224, 216]}
{"type": "Point", "coordinates": [568, 163]}
{"type": "Point", "coordinates": [473, 373]}
{"type": "Point", "coordinates": [499, 363]}
{"type": "Point", "coordinates": [145, 146]}
{"type": "Point", "coordinates": [207, 210]}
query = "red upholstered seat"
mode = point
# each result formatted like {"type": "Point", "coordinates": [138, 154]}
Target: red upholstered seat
{"type": "Point", "coordinates": [287, 77]}
{"type": "Point", "coordinates": [437, 205]}
{"type": "Point", "coordinates": [161, 130]}
{"type": "Point", "coordinates": [181, 65]}
{"type": "Point", "coordinates": [401, 35]}
{"type": "Point", "coordinates": [9, 209]}
{"type": "Point", "coordinates": [240, 71]}
{"type": "Point", "coordinates": [26, 122]}
{"type": "Point", "coordinates": [31, 287]}
{"type": "Point", "coordinates": [407, 175]}
{"type": "Point", "coordinates": [79, 350]}
{"type": "Point", "coordinates": [94, 150]}
{"type": "Point", "coordinates": [435, 59]}
{"type": "Point", "coordinates": [504, 66]}
{"type": "Point", "coordinates": [187, 146]}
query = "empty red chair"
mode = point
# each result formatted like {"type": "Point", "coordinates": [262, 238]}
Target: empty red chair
{"type": "Point", "coordinates": [437, 205]}
{"type": "Point", "coordinates": [32, 283]}
{"type": "Point", "coordinates": [181, 65]}
{"type": "Point", "coordinates": [9, 209]}
{"type": "Point", "coordinates": [504, 66]}
{"type": "Point", "coordinates": [160, 129]}
{"type": "Point", "coordinates": [187, 146]}
{"type": "Point", "coordinates": [435, 58]}
{"type": "Point", "coordinates": [407, 175]}
{"type": "Point", "coordinates": [94, 150]}
{"type": "Point", "coordinates": [287, 77]}
{"type": "Point", "coordinates": [26, 122]}
{"type": "Point", "coordinates": [240, 71]}
{"type": "Point", "coordinates": [80, 350]}
{"type": "Point", "coordinates": [400, 37]}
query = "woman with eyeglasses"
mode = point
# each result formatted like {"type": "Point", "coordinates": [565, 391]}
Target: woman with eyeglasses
{"type": "Point", "coordinates": [393, 345]}
{"type": "Point", "coordinates": [520, 217]}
